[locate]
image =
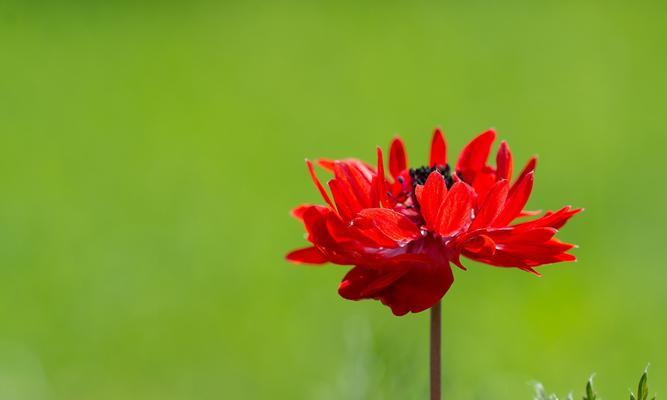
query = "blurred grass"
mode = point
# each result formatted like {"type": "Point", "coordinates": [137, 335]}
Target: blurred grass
{"type": "Point", "coordinates": [149, 155]}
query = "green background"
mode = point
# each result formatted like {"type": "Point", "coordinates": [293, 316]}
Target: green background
{"type": "Point", "coordinates": [149, 155]}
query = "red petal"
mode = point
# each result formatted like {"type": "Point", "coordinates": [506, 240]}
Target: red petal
{"type": "Point", "coordinates": [559, 219]}
{"type": "Point", "coordinates": [456, 260]}
{"type": "Point", "coordinates": [539, 250]}
{"type": "Point", "coordinates": [308, 255]}
{"type": "Point", "coordinates": [366, 283]}
{"type": "Point", "coordinates": [456, 210]}
{"type": "Point", "coordinates": [484, 180]}
{"type": "Point", "coordinates": [346, 202]}
{"type": "Point", "coordinates": [298, 211]}
{"type": "Point", "coordinates": [331, 235]}
{"type": "Point", "coordinates": [513, 235]}
{"type": "Point", "coordinates": [551, 219]}
{"type": "Point", "coordinates": [523, 248]}
{"type": "Point", "coordinates": [530, 167]}
{"type": "Point", "coordinates": [438, 149]}
{"type": "Point", "coordinates": [490, 208]}
{"type": "Point", "coordinates": [419, 289]}
{"type": "Point", "coordinates": [529, 213]}
{"type": "Point", "coordinates": [516, 200]}
{"type": "Point", "coordinates": [319, 186]}
{"type": "Point", "coordinates": [398, 161]}
{"type": "Point", "coordinates": [391, 224]}
{"type": "Point", "coordinates": [326, 164]}
{"type": "Point", "coordinates": [315, 221]}
{"type": "Point", "coordinates": [432, 198]}
{"type": "Point", "coordinates": [504, 162]}
{"type": "Point", "coordinates": [356, 179]}
{"type": "Point", "coordinates": [419, 191]}
{"type": "Point", "coordinates": [473, 157]}
{"type": "Point", "coordinates": [352, 187]}
{"type": "Point", "coordinates": [524, 261]}
{"type": "Point", "coordinates": [329, 164]}
{"type": "Point", "coordinates": [481, 245]}
{"type": "Point", "coordinates": [381, 192]}
{"type": "Point", "coordinates": [370, 235]}
{"type": "Point", "coordinates": [355, 281]}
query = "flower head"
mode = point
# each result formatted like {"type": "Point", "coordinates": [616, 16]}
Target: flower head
{"type": "Point", "coordinates": [402, 233]}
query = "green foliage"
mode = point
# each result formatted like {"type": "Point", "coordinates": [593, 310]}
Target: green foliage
{"type": "Point", "coordinates": [590, 394]}
{"type": "Point", "coordinates": [540, 394]}
{"type": "Point", "coordinates": [642, 388]}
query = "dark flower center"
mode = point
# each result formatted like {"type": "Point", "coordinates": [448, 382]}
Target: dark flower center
{"type": "Point", "coordinates": [419, 175]}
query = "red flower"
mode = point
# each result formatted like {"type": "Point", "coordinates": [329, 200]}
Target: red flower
{"type": "Point", "coordinates": [401, 234]}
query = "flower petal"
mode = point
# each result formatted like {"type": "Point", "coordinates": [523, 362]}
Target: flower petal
{"type": "Point", "coordinates": [381, 192]}
{"type": "Point", "coordinates": [438, 149]}
{"type": "Point", "coordinates": [504, 162]}
{"type": "Point", "coordinates": [527, 263]}
{"type": "Point", "coordinates": [523, 248]}
{"type": "Point", "coordinates": [431, 199]}
{"type": "Point", "coordinates": [514, 235]}
{"type": "Point", "coordinates": [326, 163]}
{"type": "Point", "coordinates": [516, 200]}
{"type": "Point", "coordinates": [551, 219]}
{"type": "Point", "coordinates": [398, 161]}
{"type": "Point", "coordinates": [529, 213]}
{"type": "Point", "coordinates": [366, 283]}
{"type": "Point", "coordinates": [389, 223]}
{"type": "Point", "coordinates": [456, 211]}
{"type": "Point", "coordinates": [419, 289]}
{"type": "Point", "coordinates": [357, 179]}
{"type": "Point", "coordinates": [481, 245]}
{"type": "Point", "coordinates": [352, 188]}
{"type": "Point", "coordinates": [314, 219]}
{"type": "Point", "coordinates": [319, 186]}
{"type": "Point", "coordinates": [346, 203]}
{"type": "Point", "coordinates": [474, 155]}
{"type": "Point", "coordinates": [484, 180]}
{"type": "Point", "coordinates": [491, 206]}
{"type": "Point", "coordinates": [307, 255]}
{"type": "Point", "coordinates": [298, 211]}
{"type": "Point", "coordinates": [419, 191]}
{"type": "Point", "coordinates": [530, 167]}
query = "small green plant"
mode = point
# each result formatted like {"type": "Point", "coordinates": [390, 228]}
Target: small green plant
{"type": "Point", "coordinates": [540, 394]}
{"type": "Point", "coordinates": [590, 394]}
{"type": "Point", "coordinates": [642, 388]}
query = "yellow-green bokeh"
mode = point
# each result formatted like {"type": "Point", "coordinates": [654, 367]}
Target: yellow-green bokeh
{"type": "Point", "coordinates": [149, 155]}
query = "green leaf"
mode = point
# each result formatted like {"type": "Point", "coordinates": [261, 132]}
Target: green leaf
{"type": "Point", "coordinates": [590, 393]}
{"type": "Point", "coordinates": [642, 388]}
{"type": "Point", "coordinates": [540, 394]}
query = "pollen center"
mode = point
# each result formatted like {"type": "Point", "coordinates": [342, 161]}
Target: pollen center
{"type": "Point", "coordinates": [419, 175]}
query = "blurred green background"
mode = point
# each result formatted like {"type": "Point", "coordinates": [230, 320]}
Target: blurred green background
{"type": "Point", "coordinates": [149, 155]}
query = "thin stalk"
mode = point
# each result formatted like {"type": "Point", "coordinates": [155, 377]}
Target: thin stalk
{"type": "Point", "coordinates": [436, 332]}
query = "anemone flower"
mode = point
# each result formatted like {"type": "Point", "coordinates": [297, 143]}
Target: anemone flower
{"type": "Point", "coordinates": [402, 233]}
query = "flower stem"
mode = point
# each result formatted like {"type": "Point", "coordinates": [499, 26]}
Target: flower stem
{"type": "Point", "coordinates": [436, 332]}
